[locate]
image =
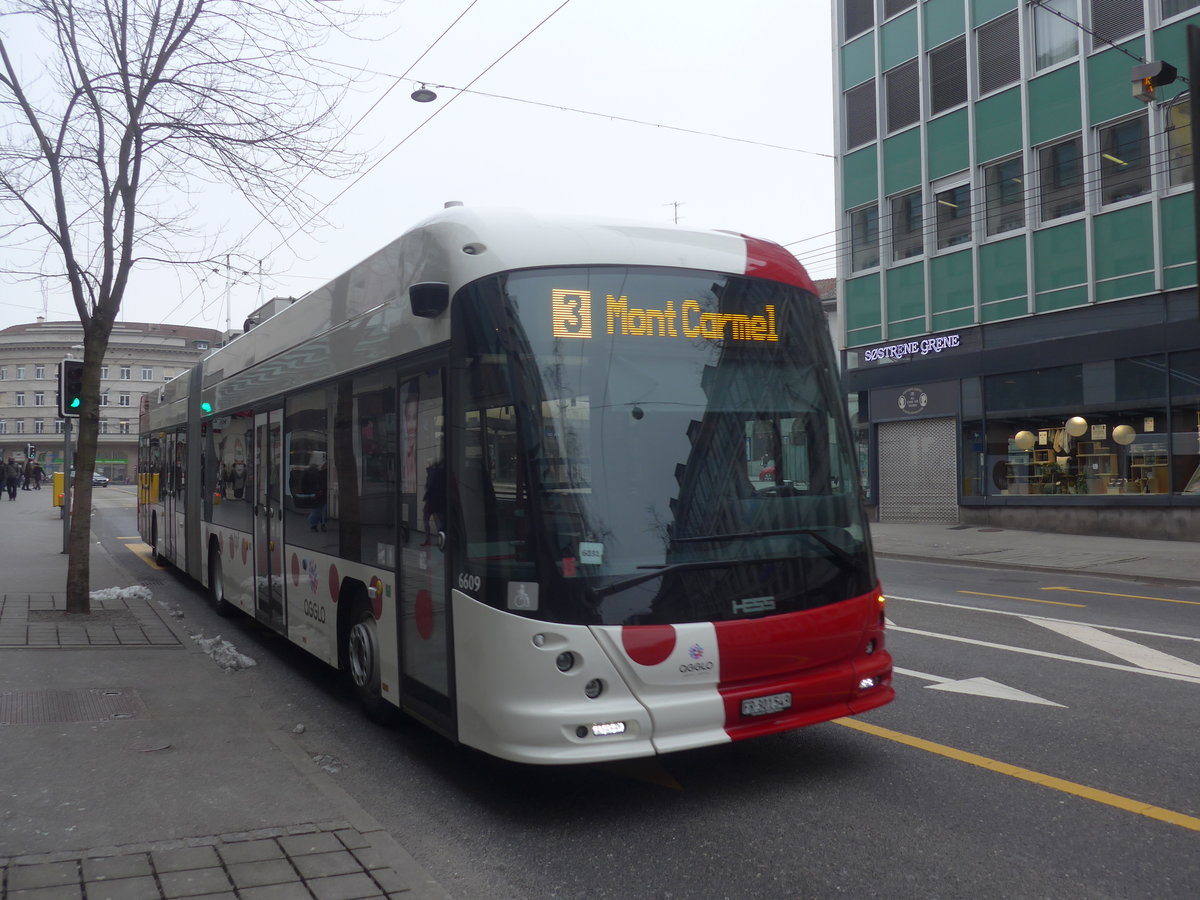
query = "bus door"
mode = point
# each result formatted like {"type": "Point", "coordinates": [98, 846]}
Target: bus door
{"type": "Point", "coordinates": [424, 619]}
{"type": "Point", "coordinates": [268, 518]}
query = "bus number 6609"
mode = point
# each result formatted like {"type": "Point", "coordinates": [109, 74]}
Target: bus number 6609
{"type": "Point", "coordinates": [468, 582]}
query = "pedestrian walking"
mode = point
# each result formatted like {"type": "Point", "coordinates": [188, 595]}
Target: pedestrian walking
{"type": "Point", "coordinates": [38, 475]}
{"type": "Point", "coordinates": [12, 475]}
{"type": "Point", "coordinates": [27, 475]}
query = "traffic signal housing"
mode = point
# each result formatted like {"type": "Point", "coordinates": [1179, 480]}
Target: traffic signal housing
{"type": "Point", "coordinates": [70, 388]}
{"type": "Point", "coordinates": [1149, 77]}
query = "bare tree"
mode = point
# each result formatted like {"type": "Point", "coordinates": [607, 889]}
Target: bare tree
{"type": "Point", "coordinates": [113, 112]}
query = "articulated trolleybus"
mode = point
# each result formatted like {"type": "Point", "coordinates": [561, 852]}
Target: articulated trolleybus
{"type": "Point", "coordinates": [563, 490]}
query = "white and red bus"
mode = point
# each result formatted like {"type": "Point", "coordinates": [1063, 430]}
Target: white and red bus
{"type": "Point", "coordinates": [564, 490]}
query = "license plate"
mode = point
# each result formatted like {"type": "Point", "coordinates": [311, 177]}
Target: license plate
{"type": "Point", "coordinates": [764, 706]}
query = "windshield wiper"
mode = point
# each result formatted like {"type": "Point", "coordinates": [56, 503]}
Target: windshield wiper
{"type": "Point", "coordinates": [667, 568]}
{"type": "Point", "coordinates": [840, 555]}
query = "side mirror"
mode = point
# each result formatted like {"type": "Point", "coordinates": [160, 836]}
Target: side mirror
{"type": "Point", "coordinates": [429, 299]}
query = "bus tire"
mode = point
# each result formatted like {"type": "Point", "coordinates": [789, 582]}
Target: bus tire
{"type": "Point", "coordinates": [159, 559]}
{"type": "Point", "coordinates": [362, 664]}
{"type": "Point", "coordinates": [216, 584]}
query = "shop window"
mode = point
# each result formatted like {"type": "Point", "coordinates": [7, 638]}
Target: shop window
{"type": "Point", "coordinates": [902, 89]}
{"type": "Point", "coordinates": [1113, 20]}
{"type": "Point", "coordinates": [857, 16]}
{"type": "Point", "coordinates": [998, 53]}
{"type": "Point", "coordinates": [1178, 129]}
{"type": "Point", "coordinates": [1185, 423]}
{"type": "Point", "coordinates": [948, 76]}
{"type": "Point", "coordinates": [953, 208]}
{"type": "Point", "coordinates": [1005, 195]}
{"type": "Point", "coordinates": [860, 114]}
{"type": "Point", "coordinates": [973, 464]}
{"type": "Point", "coordinates": [1055, 39]}
{"type": "Point", "coordinates": [907, 224]}
{"type": "Point", "coordinates": [1124, 160]}
{"type": "Point", "coordinates": [1061, 167]}
{"type": "Point", "coordinates": [864, 237]}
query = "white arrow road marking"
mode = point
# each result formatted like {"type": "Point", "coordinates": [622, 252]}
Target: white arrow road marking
{"type": "Point", "coordinates": [1138, 654]}
{"type": "Point", "coordinates": [980, 687]}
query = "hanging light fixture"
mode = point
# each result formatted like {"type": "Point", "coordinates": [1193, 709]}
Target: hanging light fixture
{"type": "Point", "coordinates": [1024, 440]}
{"type": "Point", "coordinates": [1077, 426]}
{"type": "Point", "coordinates": [423, 95]}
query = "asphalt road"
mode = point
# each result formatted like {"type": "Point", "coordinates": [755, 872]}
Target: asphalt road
{"type": "Point", "coordinates": [1043, 745]}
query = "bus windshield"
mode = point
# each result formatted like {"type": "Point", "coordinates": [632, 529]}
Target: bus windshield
{"type": "Point", "coordinates": [648, 445]}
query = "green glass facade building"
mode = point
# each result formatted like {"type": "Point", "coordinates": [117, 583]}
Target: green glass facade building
{"type": "Point", "coordinates": [1017, 267]}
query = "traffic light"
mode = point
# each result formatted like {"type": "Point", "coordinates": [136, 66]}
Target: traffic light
{"type": "Point", "coordinates": [70, 387]}
{"type": "Point", "coordinates": [30, 451]}
{"type": "Point", "coordinates": [1147, 78]}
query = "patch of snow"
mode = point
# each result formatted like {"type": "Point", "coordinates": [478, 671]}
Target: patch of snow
{"type": "Point", "coordinates": [137, 592]}
{"type": "Point", "coordinates": [223, 653]}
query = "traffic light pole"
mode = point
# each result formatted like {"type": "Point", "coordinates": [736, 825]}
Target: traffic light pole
{"type": "Point", "coordinates": [1193, 61]}
{"type": "Point", "coordinates": [68, 463]}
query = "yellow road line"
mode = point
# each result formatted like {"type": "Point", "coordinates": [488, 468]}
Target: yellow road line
{"type": "Point", "coordinates": [1058, 784]}
{"type": "Point", "coordinates": [1028, 599]}
{"type": "Point", "coordinates": [145, 554]}
{"type": "Point", "coordinates": [1126, 596]}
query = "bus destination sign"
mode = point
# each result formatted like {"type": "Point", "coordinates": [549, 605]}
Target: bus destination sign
{"type": "Point", "coordinates": [572, 318]}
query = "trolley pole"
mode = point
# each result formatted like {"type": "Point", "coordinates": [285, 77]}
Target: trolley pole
{"type": "Point", "coordinates": [68, 462]}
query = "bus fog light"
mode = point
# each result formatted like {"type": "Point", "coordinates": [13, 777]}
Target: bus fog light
{"type": "Point", "coordinates": [565, 661]}
{"type": "Point", "coordinates": [606, 728]}
{"type": "Point", "coordinates": [866, 684]}
{"type": "Point", "coordinates": [593, 689]}
{"type": "Point", "coordinates": [581, 732]}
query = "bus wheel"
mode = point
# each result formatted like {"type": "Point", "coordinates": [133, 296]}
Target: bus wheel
{"type": "Point", "coordinates": [159, 559]}
{"type": "Point", "coordinates": [362, 656]}
{"type": "Point", "coordinates": [216, 585]}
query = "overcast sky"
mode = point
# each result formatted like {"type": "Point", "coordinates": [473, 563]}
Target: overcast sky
{"type": "Point", "coordinates": [758, 71]}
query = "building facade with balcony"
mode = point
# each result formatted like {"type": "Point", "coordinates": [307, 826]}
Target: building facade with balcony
{"type": "Point", "coordinates": [1017, 277]}
{"type": "Point", "coordinates": [140, 358]}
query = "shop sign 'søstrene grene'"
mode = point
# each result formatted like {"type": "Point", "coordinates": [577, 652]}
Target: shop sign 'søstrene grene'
{"type": "Point", "coordinates": [572, 317]}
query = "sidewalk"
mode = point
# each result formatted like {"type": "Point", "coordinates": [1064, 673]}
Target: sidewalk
{"type": "Point", "coordinates": [133, 768]}
{"type": "Point", "coordinates": [1140, 560]}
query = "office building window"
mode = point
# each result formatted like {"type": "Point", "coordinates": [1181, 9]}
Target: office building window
{"type": "Point", "coordinates": [104, 398]}
{"type": "Point", "coordinates": [948, 76]}
{"type": "Point", "coordinates": [1061, 168]}
{"type": "Point", "coordinates": [3, 426]}
{"type": "Point", "coordinates": [103, 372]}
{"type": "Point", "coordinates": [902, 86]}
{"type": "Point", "coordinates": [124, 428]}
{"type": "Point", "coordinates": [1179, 140]}
{"type": "Point", "coordinates": [104, 426]}
{"type": "Point", "coordinates": [998, 53]}
{"type": "Point", "coordinates": [20, 423]}
{"type": "Point", "coordinates": [864, 237]}
{"type": "Point", "coordinates": [123, 398]}
{"type": "Point", "coordinates": [1124, 160]}
{"type": "Point", "coordinates": [907, 224]}
{"type": "Point", "coordinates": [1113, 20]}
{"type": "Point", "coordinates": [3, 373]}
{"type": "Point", "coordinates": [1005, 196]}
{"type": "Point", "coordinates": [39, 426]}
{"type": "Point", "coordinates": [20, 373]}
{"type": "Point", "coordinates": [39, 398]}
{"type": "Point", "coordinates": [860, 114]}
{"type": "Point", "coordinates": [892, 7]}
{"type": "Point", "coordinates": [953, 208]}
{"type": "Point", "coordinates": [126, 375]}
{"type": "Point", "coordinates": [147, 373]}
{"type": "Point", "coordinates": [857, 16]}
{"type": "Point", "coordinates": [1054, 38]}
{"type": "Point", "coordinates": [1175, 7]}
{"type": "Point", "coordinates": [39, 371]}
{"type": "Point", "coordinates": [20, 395]}
{"type": "Point", "coordinates": [58, 426]}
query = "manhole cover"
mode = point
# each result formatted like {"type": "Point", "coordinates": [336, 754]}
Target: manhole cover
{"type": "Point", "coordinates": [88, 705]}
